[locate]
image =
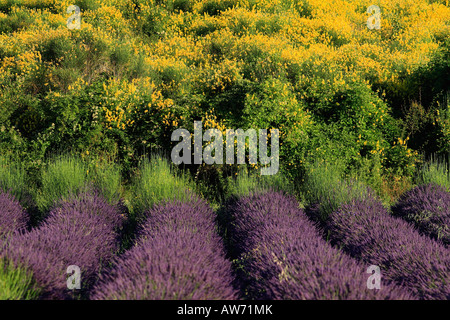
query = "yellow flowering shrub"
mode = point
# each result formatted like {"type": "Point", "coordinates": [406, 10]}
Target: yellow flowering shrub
{"type": "Point", "coordinates": [138, 69]}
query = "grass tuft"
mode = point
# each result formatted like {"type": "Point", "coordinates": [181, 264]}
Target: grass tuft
{"type": "Point", "coordinates": [13, 179]}
{"type": "Point", "coordinates": [437, 171]}
{"type": "Point", "coordinates": [16, 283]}
{"type": "Point", "coordinates": [246, 183]}
{"type": "Point", "coordinates": [67, 176]}
{"type": "Point", "coordinates": [156, 180]}
{"type": "Point", "coordinates": [324, 186]}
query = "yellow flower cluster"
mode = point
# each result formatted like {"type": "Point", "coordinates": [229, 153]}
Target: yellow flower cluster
{"type": "Point", "coordinates": [320, 43]}
{"type": "Point", "coordinates": [333, 32]}
{"type": "Point", "coordinates": [210, 121]}
{"type": "Point", "coordinates": [119, 102]}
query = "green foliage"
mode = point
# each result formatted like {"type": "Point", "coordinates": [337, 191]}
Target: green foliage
{"type": "Point", "coordinates": [182, 5]}
{"type": "Point", "coordinates": [13, 179]}
{"type": "Point", "coordinates": [156, 180]}
{"type": "Point", "coordinates": [356, 126]}
{"type": "Point", "coordinates": [215, 7]}
{"type": "Point", "coordinates": [437, 170]}
{"type": "Point", "coordinates": [273, 104]}
{"type": "Point", "coordinates": [246, 182]}
{"type": "Point", "coordinates": [324, 186]}
{"type": "Point", "coordinates": [87, 4]}
{"type": "Point", "coordinates": [67, 175]}
{"type": "Point", "coordinates": [211, 181]}
{"type": "Point", "coordinates": [16, 283]}
{"type": "Point", "coordinates": [16, 21]}
{"type": "Point", "coordinates": [443, 123]}
{"type": "Point", "coordinates": [61, 178]}
{"type": "Point", "coordinates": [106, 177]}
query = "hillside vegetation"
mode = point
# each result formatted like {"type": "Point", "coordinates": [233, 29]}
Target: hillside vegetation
{"type": "Point", "coordinates": [374, 101]}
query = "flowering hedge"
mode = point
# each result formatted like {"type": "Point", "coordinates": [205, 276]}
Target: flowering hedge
{"type": "Point", "coordinates": [428, 207]}
{"type": "Point", "coordinates": [282, 255]}
{"type": "Point", "coordinates": [81, 232]}
{"type": "Point", "coordinates": [12, 216]}
{"type": "Point", "coordinates": [178, 256]}
{"type": "Point", "coordinates": [365, 230]}
{"type": "Point", "coordinates": [134, 73]}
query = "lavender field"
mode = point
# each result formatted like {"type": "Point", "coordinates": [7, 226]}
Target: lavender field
{"type": "Point", "coordinates": [259, 244]}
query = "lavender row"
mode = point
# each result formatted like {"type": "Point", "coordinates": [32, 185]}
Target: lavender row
{"type": "Point", "coordinates": [428, 208]}
{"type": "Point", "coordinates": [365, 230]}
{"type": "Point", "coordinates": [178, 255]}
{"type": "Point", "coordinates": [83, 232]}
{"type": "Point", "coordinates": [282, 255]}
{"type": "Point", "coordinates": [13, 217]}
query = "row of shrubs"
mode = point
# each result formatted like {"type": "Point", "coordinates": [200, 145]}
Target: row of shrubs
{"type": "Point", "coordinates": [281, 255]}
{"type": "Point", "coordinates": [155, 178]}
{"type": "Point", "coordinates": [84, 231]}
{"type": "Point", "coordinates": [322, 190]}
{"type": "Point", "coordinates": [66, 176]}
{"type": "Point", "coordinates": [367, 231]}
{"type": "Point", "coordinates": [278, 252]}
{"type": "Point", "coordinates": [178, 255]}
{"type": "Point", "coordinates": [426, 206]}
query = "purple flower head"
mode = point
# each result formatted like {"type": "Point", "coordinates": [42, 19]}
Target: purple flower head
{"type": "Point", "coordinates": [282, 255]}
{"type": "Point", "coordinates": [428, 208]}
{"type": "Point", "coordinates": [365, 230]}
{"type": "Point", "coordinates": [80, 232]}
{"type": "Point", "coordinates": [178, 256]}
{"type": "Point", "coordinates": [13, 217]}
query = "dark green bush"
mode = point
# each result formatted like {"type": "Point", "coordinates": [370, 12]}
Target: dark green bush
{"type": "Point", "coordinates": [215, 7]}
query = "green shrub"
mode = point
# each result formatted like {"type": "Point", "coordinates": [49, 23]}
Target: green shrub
{"type": "Point", "coordinates": [303, 8]}
{"type": "Point", "coordinates": [155, 180]}
{"type": "Point", "coordinates": [260, 23]}
{"type": "Point", "coordinates": [246, 182]}
{"type": "Point", "coordinates": [27, 116]}
{"type": "Point", "coordinates": [215, 7]}
{"type": "Point", "coordinates": [182, 5]}
{"type": "Point", "coordinates": [443, 120]}
{"type": "Point", "coordinates": [68, 175]}
{"type": "Point", "coordinates": [61, 178]}
{"type": "Point", "coordinates": [5, 6]}
{"type": "Point", "coordinates": [15, 22]}
{"type": "Point", "coordinates": [87, 4]}
{"type": "Point", "coordinates": [273, 105]}
{"type": "Point", "coordinates": [106, 178]}
{"type": "Point", "coordinates": [121, 57]}
{"type": "Point", "coordinates": [437, 170]}
{"type": "Point", "coordinates": [152, 21]}
{"type": "Point", "coordinates": [13, 179]}
{"type": "Point", "coordinates": [16, 283]}
{"type": "Point", "coordinates": [324, 186]}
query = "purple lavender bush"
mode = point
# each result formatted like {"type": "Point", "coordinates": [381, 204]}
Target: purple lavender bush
{"type": "Point", "coordinates": [365, 230]}
{"type": "Point", "coordinates": [281, 255]}
{"type": "Point", "coordinates": [81, 232]}
{"type": "Point", "coordinates": [428, 208]}
{"type": "Point", "coordinates": [13, 217]}
{"type": "Point", "coordinates": [88, 205]}
{"type": "Point", "coordinates": [178, 255]}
